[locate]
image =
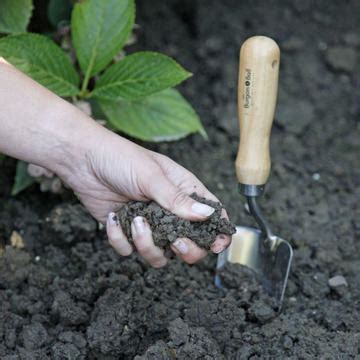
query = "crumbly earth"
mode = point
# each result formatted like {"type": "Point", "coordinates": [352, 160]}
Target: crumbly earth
{"type": "Point", "coordinates": [167, 227]}
{"type": "Point", "coordinates": [78, 300]}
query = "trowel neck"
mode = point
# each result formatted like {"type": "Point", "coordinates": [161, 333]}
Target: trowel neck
{"type": "Point", "coordinates": [251, 190]}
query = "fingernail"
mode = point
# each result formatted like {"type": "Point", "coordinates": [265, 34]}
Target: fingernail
{"type": "Point", "coordinates": [220, 244]}
{"type": "Point", "coordinates": [113, 219]}
{"type": "Point", "coordinates": [217, 249]}
{"type": "Point", "coordinates": [139, 224]}
{"type": "Point", "coordinates": [202, 209]}
{"type": "Point", "coordinates": [181, 246]}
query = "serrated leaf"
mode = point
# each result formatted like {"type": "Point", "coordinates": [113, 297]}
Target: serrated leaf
{"type": "Point", "coordinates": [139, 75]}
{"type": "Point", "coordinates": [99, 31]}
{"type": "Point", "coordinates": [164, 116]}
{"type": "Point", "coordinates": [15, 15]}
{"type": "Point", "coordinates": [41, 59]}
{"type": "Point", "coordinates": [22, 178]}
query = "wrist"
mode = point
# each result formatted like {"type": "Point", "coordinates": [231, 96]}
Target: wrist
{"type": "Point", "coordinates": [72, 135]}
{"type": "Point", "coordinates": [39, 127]}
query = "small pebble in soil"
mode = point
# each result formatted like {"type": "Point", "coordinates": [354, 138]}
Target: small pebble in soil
{"type": "Point", "coordinates": [167, 227]}
{"type": "Point", "coordinates": [337, 281]}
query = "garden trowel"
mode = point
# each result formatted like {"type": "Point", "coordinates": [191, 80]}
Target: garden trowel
{"type": "Point", "coordinates": [258, 249]}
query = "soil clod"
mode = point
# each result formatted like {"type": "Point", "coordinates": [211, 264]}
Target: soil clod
{"type": "Point", "coordinates": [167, 227]}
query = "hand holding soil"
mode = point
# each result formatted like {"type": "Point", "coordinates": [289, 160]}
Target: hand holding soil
{"type": "Point", "coordinates": [109, 181]}
{"type": "Point", "coordinates": [168, 228]}
{"type": "Point", "coordinates": [104, 170]}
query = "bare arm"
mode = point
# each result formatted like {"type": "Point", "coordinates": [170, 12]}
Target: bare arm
{"type": "Point", "coordinates": [103, 169]}
{"type": "Point", "coordinates": [36, 125]}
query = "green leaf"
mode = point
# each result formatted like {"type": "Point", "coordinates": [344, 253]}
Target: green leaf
{"type": "Point", "coordinates": [22, 178]}
{"type": "Point", "coordinates": [59, 11]}
{"type": "Point", "coordinates": [15, 15]}
{"type": "Point", "coordinates": [99, 30]}
{"type": "Point", "coordinates": [139, 75]}
{"type": "Point", "coordinates": [96, 110]}
{"type": "Point", "coordinates": [163, 116]}
{"type": "Point", "coordinates": [41, 59]}
{"type": "Point", "coordinates": [2, 157]}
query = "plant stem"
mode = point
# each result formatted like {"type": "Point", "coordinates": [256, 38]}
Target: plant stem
{"type": "Point", "coordinates": [85, 83]}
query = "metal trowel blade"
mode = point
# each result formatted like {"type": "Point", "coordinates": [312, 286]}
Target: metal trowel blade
{"type": "Point", "coordinates": [271, 260]}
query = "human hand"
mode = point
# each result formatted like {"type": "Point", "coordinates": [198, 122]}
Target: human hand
{"type": "Point", "coordinates": [103, 169]}
{"type": "Point", "coordinates": [115, 171]}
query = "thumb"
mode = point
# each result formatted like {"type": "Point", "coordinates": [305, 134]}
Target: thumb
{"type": "Point", "coordinates": [171, 198]}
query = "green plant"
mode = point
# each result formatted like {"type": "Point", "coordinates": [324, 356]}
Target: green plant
{"type": "Point", "coordinates": [135, 94]}
{"type": "Point", "coordinates": [15, 15]}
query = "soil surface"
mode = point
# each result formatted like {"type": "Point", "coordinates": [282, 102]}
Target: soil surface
{"type": "Point", "coordinates": [72, 297]}
{"type": "Point", "coordinates": [167, 227]}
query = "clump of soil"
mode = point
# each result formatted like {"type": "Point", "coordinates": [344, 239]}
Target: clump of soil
{"type": "Point", "coordinates": [167, 227]}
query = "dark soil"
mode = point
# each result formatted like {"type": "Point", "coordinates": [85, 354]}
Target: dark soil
{"type": "Point", "coordinates": [167, 227]}
{"type": "Point", "coordinates": [77, 299]}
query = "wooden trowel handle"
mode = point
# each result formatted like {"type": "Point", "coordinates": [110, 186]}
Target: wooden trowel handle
{"type": "Point", "coordinates": [257, 93]}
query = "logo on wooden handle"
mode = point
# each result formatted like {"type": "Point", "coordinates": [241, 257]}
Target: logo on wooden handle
{"type": "Point", "coordinates": [247, 93]}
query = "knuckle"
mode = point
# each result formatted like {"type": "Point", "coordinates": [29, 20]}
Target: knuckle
{"type": "Point", "coordinates": [179, 200]}
{"type": "Point", "coordinates": [147, 187]}
{"type": "Point", "coordinates": [144, 248]}
{"type": "Point", "coordinates": [121, 246]}
{"type": "Point", "coordinates": [117, 239]}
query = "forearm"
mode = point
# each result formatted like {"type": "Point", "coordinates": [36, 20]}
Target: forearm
{"type": "Point", "coordinates": [36, 125]}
